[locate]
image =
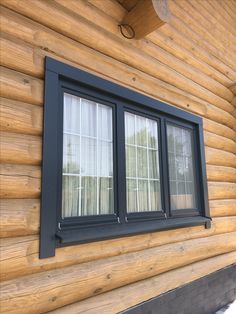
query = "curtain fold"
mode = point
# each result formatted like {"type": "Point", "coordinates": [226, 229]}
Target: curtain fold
{"type": "Point", "coordinates": [142, 164]}
{"type": "Point", "coordinates": [87, 187]}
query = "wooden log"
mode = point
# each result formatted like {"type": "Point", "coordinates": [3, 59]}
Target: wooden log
{"type": "Point", "coordinates": [209, 21]}
{"type": "Point", "coordinates": [147, 16]}
{"type": "Point", "coordinates": [19, 217]}
{"type": "Point", "coordinates": [221, 208]}
{"type": "Point", "coordinates": [17, 56]}
{"type": "Point", "coordinates": [27, 149]}
{"type": "Point", "coordinates": [220, 173]}
{"type": "Point", "coordinates": [219, 158]}
{"type": "Point", "coordinates": [216, 10]}
{"type": "Point", "coordinates": [133, 78]}
{"type": "Point", "coordinates": [139, 80]}
{"type": "Point", "coordinates": [176, 35]}
{"type": "Point", "coordinates": [219, 129]}
{"type": "Point", "coordinates": [118, 49]}
{"type": "Point", "coordinates": [128, 4]}
{"type": "Point", "coordinates": [18, 86]}
{"type": "Point", "coordinates": [219, 142]}
{"type": "Point", "coordinates": [221, 190]}
{"type": "Point", "coordinates": [53, 289]}
{"type": "Point", "coordinates": [87, 11]}
{"type": "Point", "coordinates": [164, 42]}
{"type": "Point", "coordinates": [180, 24]}
{"type": "Point", "coordinates": [198, 32]}
{"type": "Point", "coordinates": [20, 256]}
{"type": "Point", "coordinates": [233, 88]}
{"type": "Point", "coordinates": [203, 60]}
{"type": "Point", "coordinates": [19, 148]}
{"type": "Point", "coordinates": [20, 117]}
{"type": "Point", "coordinates": [19, 181]}
{"type": "Point", "coordinates": [125, 297]}
{"type": "Point", "coordinates": [233, 102]}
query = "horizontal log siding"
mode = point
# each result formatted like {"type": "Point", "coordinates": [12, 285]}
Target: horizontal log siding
{"type": "Point", "coordinates": [180, 64]}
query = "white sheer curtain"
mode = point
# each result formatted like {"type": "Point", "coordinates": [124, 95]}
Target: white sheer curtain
{"type": "Point", "coordinates": [182, 186]}
{"type": "Point", "coordinates": [142, 164]}
{"type": "Point", "coordinates": [87, 158]}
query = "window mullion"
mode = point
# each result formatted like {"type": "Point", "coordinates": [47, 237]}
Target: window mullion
{"type": "Point", "coordinates": [149, 199]}
{"type": "Point", "coordinates": [120, 167]}
{"type": "Point", "coordinates": [80, 179]}
{"type": "Point", "coordinates": [164, 169]}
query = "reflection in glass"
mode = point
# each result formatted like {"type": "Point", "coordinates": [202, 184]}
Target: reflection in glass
{"type": "Point", "coordinates": [87, 185]}
{"type": "Point", "coordinates": [142, 164]}
{"type": "Point", "coordinates": [181, 173]}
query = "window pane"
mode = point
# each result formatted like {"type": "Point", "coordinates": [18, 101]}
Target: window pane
{"type": "Point", "coordinates": [130, 161]}
{"type": "Point", "coordinates": [142, 164]}
{"type": "Point", "coordinates": [87, 185]}
{"type": "Point", "coordinates": [132, 204]}
{"type": "Point", "coordinates": [129, 128]}
{"type": "Point", "coordinates": [182, 186]}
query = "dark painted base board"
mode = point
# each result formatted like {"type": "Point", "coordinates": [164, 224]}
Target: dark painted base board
{"type": "Point", "coordinates": [203, 296]}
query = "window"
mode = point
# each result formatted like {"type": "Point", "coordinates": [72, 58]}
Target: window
{"type": "Point", "coordinates": [115, 162]}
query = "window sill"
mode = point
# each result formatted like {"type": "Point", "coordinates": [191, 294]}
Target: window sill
{"type": "Point", "coordinates": [103, 232]}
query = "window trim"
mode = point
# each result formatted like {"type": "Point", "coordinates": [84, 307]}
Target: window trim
{"type": "Point", "coordinates": [58, 76]}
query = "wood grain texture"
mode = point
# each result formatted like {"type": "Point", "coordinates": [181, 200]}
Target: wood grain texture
{"type": "Point", "coordinates": [19, 117]}
{"type": "Point", "coordinates": [123, 298]}
{"type": "Point", "coordinates": [220, 142]}
{"type": "Point", "coordinates": [219, 157]}
{"type": "Point", "coordinates": [50, 14]}
{"type": "Point", "coordinates": [177, 44]}
{"type": "Point", "coordinates": [177, 64]}
{"type": "Point", "coordinates": [74, 52]}
{"type": "Point", "coordinates": [53, 289]}
{"type": "Point", "coordinates": [221, 190]}
{"type": "Point", "coordinates": [19, 148]}
{"type": "Point", "coordinates": [220, 208]}
{"type": "Point", "coordinates": [148, 48]}
{"type": "Point", "coordinates": [198, 33]}
{"type": "Point", "coordinates": [20, 256]}
{"type": "Point", "coordinates": [18, 86]}
{"type": "Point", "coordinates": [221, 173]}
{"type": "Point", "coordinates": [147, 16]}
{"type": "Point", "coordinates": [20, 181]}
{"type": "Point", "coordinates": [19, 217]}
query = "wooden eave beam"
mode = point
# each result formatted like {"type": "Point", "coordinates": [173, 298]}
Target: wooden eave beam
{"type": "Point", "coordinates": [146, 16]}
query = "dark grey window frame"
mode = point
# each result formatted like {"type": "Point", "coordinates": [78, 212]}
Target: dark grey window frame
{"type": "Point", "coordinates": [55, 232]}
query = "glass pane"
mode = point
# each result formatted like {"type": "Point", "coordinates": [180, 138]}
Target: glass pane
{"type": "Point", "coordinates": [142, 195]}
{"type": "Point", "coordinates": [155, 198]}
{"type": "Point", "coordinates": [105, 159]}
{"type": "Point", "coordinates": [89, 196]}
{"type": "Point", "coordinates": [70, 195]}
{"type": "Point", "coordinates": [106, 196]}
{"type": "Point", "coordinates": [141, 130]}
{"type": "Point", "coordinates": [129, 128]}
{"type": "Point", "coordinates": [153, 164]}
{"type": "Point", "coordinates": [182, 178]}
{"type": "Point", "coordinates": [130, 161]}
{"type": "Point", "coordinates": [152, 134]}
{"type": "Point", "coordinates": [104, 122]}
{"type": "Point", "coordinates": [88, 156]}
{"type": "Point", "coordinates": [142, 164]}
{"type": "Point", "coordinates": [88, 118]}
{"type": "Point", "coordinates": [87, 185]}
{"type": "Point", "coordinates": [71, 148]}
{"type": "Point", "coordinates": [71, 113]}
{"type": "Point", "coordinates": [132, 204]}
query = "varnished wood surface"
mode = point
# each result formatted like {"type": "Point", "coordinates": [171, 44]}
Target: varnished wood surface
{"type": "Point", "coordinates": [180, 64]}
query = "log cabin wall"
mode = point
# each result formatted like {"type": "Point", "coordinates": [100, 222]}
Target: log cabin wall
{"type": "Point", "coordinates": [190, 63]}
